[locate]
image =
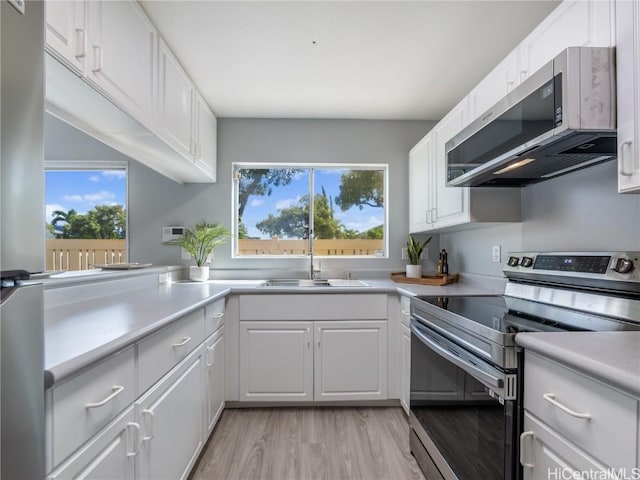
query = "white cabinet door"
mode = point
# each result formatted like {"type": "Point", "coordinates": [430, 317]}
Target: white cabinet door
{"type": "Point", "coordinates": [628, 75]}
{"type": "Point", "coordinates": [276, 361]}
{"type": "Point", "coordinates": [122, 46]}
{"type": "Point", "coordinates": [571, 24]}
{"type": "Point", "coordinates": [451, 206]}
{"type": "Point", "coordinates": [420, 184]}
{"type": "Point", "coordinates": [545, 454]}
{"type": "Point", "coordinates": [350, 360]}
{"type": "Point", "coordinates": [66, 32]}
{"type": "Point", "coordinates": [176, 95]}
{"type": "Point", "coordinates": [495, 86]}
{"type": "Point", "coordinates": [214, 380]}
{"type": "Point", "coordinates": [405, 374]}
{"type": "Point", "coordinates": [206, 126]}
{"type": "Point", "coordinates": [170, 415]}
{"type": "Point", "coordinates": [109, 455]}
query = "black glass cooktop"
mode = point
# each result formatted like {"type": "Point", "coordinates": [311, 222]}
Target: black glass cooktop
{"type": "Point", "coordinates": [493, 311]}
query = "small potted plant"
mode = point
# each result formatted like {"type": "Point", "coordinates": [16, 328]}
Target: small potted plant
{"type": "Point", "coordinates": [200, 240]}
{"type": "Point", "coordinates": [414, 251]}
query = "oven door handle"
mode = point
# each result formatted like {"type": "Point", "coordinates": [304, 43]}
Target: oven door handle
{"type": "Point", "coordinates": [487, 378]}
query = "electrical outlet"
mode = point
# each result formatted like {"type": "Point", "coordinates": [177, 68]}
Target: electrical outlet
{"type": "Point", "coordinates": [405, 254]}
{"type": "Point", "coordinates": [163, 277]}
{"type": "Point", "coordinates": [495, 254]}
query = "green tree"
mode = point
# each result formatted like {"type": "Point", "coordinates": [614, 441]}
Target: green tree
{"type": "Point", "coordinates": [81, 226]}
{"type": "Point", "coordinates": [111, 220]}
{"type": "Point", "coordinates": [62, 216]}
{"type": "Point", "coordinates": [260, 182]}
{"type": "Point", "coordinates": [361, 187]}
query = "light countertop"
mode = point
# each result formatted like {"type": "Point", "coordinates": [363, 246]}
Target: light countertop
{"type": "Point", "coordinates": [81, 333]}
{"type": "Point", "coordinates": [612, 357]}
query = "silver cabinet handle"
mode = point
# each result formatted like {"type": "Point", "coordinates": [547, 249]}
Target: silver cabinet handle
{"type": "Point", "coordinates": [81, 38]}
{"type": "Point", "coordinates": [405, 313]}
{"type": "Point", "coordinates": [522, 438]}
{"type": "Point", "coordinates": [218, 315]}
{"type": "Point", "coordinates": [623, 159]}
{"type": "Point", "coordinates": [97, 59]}
{"type": "Point", "coordinates": [551, 398]}
{"type": "Point", "coordinates": [136, 429]}
{"type": "Point", "coordinates": [148, 412]}
{"type": "Point", "coordinates": [116, 389]}
{"type": "Point", "coordinates": [434, 216]}
{"type": "Point", "coordinates": [184, 341]}
{"type": "Point", "coordinates": [210, 351]}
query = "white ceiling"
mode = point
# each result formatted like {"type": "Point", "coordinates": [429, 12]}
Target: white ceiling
{"type": "Point", "coordinates": [341, 59]}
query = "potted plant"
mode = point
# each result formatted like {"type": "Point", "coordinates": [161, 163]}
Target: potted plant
{"type": "Point", "coordinates": [414, 250]}
{"type": "Point", "coordinates": [200, 240]}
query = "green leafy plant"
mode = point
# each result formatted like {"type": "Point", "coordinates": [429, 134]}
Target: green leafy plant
{"type": "Point", "coordinates": [415, 249]}
{"type": "Point", "coordinates": [202, 239]}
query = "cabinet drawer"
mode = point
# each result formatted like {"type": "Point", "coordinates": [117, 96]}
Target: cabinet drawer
{"type": "Point", "coordinates": [213, 316]}
{"type": "Point", "coordinates": [85, 404]}
{"type": "Point", "coordinates": [161, 351]}
{"type": "Point", "coordinates": [610, 432]}
{"type": "Point", "coordinates": [354, 306]}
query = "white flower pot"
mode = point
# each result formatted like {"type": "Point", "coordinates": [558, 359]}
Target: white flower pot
{"type": "Point", "coordinates": [414, 271]}
{"type": "Point", "coordinates": [199, 274]}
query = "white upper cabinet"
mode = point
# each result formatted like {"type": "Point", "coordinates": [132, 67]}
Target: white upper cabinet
{"type": "Point", "coordinates": [450, 205]}
{"type": "Point", "coordinates": [500, 81]}
{"type": "Point", "coordinates": [66, 33]}
{"type": "Point", "coordinates": [122, 56]}
{"type": "Point", "coordinates": [419, 158]}
{"type": "Point", "coordinates": [206, 135]}
{"type": "Point", "coordinates": [628, 75]}
{"type": "Point", "coordinates": [175, 103]}
{"type": "Point", "coordinates": [572, 24]}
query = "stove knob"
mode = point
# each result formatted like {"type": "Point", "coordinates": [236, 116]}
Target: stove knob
{"type": "Point", "coordinates": [526, 262]}
{"type": "Point", "coordinates": [623, 265]}
{"type": "Point", "coordinates": [513, 261]}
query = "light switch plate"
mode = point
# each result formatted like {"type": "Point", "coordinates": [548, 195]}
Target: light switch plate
{"type": "Point", "coordinates": [495, 254]}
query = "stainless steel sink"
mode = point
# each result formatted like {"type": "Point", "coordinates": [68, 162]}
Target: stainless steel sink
{"type": "Point", "coordinates": [312, 283]}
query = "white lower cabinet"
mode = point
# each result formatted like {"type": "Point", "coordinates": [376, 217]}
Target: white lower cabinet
{"type": "Point", "coordinates": [213, 379]}
{"type": "Point", "coordinates": [573, 423]}
{"type": "Point", "coordinates": [170, 416]}
{"type": "Point", "coordinates": [109, 455]}
{"type": "Point", "coordinates": [276, 361]}
{"type": "Point", "coordinates": [350, 360]}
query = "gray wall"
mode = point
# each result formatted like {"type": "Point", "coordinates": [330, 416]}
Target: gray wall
{"type": "Point", "coordinates": [155, 201]}
{"type": "Point", "coordinates": [580, 211]}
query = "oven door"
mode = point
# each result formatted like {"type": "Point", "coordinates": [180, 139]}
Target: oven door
{"type": "Point", "coordinates": [461, 428]}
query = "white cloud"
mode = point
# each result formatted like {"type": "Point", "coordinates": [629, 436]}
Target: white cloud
{"type": "Point", "coordinates": [94, 178]}
{"type": "Point", "coordinates": [362, 225]}
{"type": "Point", "coordinates": [256, 202]}
{"type": "Point", "coordinates": [115, 174]}
{"type": "Point", "coordinates": [286, 203]}
{"type": "Point", "coordinates": [50, 208]}
{"type": "Point", "coordinates": [101, 197]}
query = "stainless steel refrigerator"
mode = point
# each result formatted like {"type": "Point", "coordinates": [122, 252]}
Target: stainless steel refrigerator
{"type": "Point", "coordinates": [22, 239]}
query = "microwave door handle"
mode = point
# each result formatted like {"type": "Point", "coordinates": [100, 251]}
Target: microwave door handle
{"type": "Point", "coordinates": [481, 375]}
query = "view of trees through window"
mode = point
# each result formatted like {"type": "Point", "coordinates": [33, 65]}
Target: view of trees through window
{"type": "Point", "coordinates": [86, 219]}
{"type": "Point", "coordinates": [275, 214]}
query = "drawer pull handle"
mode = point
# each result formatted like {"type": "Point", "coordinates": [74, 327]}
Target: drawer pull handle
{"type": "Point", "coordinates": [136, 428]}
{"type": "Point", "coordinates": [149, 412]}
{"type": "Point", "coordinates": [551, 398]}
{"type": "Point", "coordinates": [522, 437]}
{"type": "Point", "coordinates": [184, 341]}
{"type": "Point", "coordinates": [405, 313]}
{"type": "Point", "coordinates": [116, 390]}
{"type": "Point", "coordinates": [210, 355]}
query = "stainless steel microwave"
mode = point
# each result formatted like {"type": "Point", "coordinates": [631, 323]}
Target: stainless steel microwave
{"type": "Point", "coordinates": [560, 119]}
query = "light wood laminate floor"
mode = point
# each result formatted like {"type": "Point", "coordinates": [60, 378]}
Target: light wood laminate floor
{"type": "Point", "coordinates": [330, 443]}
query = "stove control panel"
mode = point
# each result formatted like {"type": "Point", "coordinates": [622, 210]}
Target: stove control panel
{"type": "Point", "coordinates": [623, 266]}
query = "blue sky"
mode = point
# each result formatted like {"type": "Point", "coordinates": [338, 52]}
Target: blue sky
{"type": "Point", "coordinates": [259, 207]}
{"type": "Point", "coordinates": [82, 190]}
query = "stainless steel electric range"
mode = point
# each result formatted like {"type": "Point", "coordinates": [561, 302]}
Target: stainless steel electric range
{"type": "Point", "coordinates": [466, 368]}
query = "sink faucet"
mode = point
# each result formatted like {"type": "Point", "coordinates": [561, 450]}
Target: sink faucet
{"type": "Point", "coordinates": [312, 273]}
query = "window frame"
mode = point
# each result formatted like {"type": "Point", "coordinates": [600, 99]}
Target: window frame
{"type": "Point", "coordinates": [235, 166]}
{"type": "Point", "coordinates": [96, 165]}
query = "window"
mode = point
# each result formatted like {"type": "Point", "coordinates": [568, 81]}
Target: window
{"type": "Point", "coordinates": [86, 214]}
{"type": "Point", "coordinates": [275, 217]}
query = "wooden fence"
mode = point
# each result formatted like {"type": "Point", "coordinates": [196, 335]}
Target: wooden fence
{"type": "Point", "coordinates": [71, 254]}
{"type": "Point", "coordinates": [337, 247]}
